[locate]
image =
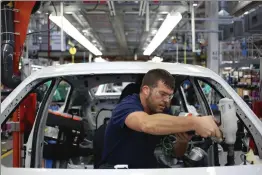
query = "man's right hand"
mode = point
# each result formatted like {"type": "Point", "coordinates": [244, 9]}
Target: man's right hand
{"type": "Point", "coordinates": [206, 127]}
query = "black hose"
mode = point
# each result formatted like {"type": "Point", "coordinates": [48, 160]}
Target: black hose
{"type": "Point", "coordinates": [206, 145]}
{"type": "Point", "coordinates": [216, 157]}
{"type": "Point", "coordinates": [51, 29]}
{"type": "Point", "coordinates": [230, 155]}
{"type": "Point", "coordinates": [7, 49]}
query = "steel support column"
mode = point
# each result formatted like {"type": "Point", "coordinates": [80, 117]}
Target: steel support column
{"type": "Point", "coordinates": [1, 95]}
{"type": "Point", "coordinates": [193, 27]}
{"type": "Point", "coordinates": [90, 57]}
{"type": "Point", "coordinates": [213, 43]}
{"type": "Point", "coordinates": [61, 60]}
{"type": "Point", "coordinates": [260, 67]}
{"type": "Point", "coordinates": [147, 16]}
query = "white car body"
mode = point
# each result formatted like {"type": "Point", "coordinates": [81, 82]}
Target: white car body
{"type": "Point", "coordinates": [119, 68]}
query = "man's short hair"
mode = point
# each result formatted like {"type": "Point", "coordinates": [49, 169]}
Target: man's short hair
{"type": "Point", "coordinates": [153, 76]}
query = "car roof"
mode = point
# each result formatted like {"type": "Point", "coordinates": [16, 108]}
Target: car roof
{"type": "Point", "coordinates": [121, 68]}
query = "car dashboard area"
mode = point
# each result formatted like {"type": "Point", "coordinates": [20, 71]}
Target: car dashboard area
{"type": "Point", "coordinates": [69, 136]}
{"type": "Point", "coordinates": [69, 142]}
{"type": "Point", "coordinates": [63, 136]}
{"type": "Point", "coordinates": [73, 144]}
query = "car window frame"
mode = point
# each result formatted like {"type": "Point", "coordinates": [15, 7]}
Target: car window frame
{"type": "Point", "coordinates": [202, 101]}
{"type": "Point", "coordinates": [68, 95]}
{"type": "Point", "coordinates": [20, 97]}
{"type": "Point", "coordinates": [38, 133]}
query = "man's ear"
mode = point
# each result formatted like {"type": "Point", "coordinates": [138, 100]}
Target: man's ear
{"type": "Point", "coordinates": [146, 90]}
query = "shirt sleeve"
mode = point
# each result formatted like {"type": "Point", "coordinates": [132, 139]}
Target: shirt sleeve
{"type": "Point", "coordinates": [122, 110]}
{"type": "Point", "coordinates": [168, 111]}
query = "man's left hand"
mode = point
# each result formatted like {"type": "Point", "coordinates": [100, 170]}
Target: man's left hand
{"type": "Point", "coordinates": [182, 138]}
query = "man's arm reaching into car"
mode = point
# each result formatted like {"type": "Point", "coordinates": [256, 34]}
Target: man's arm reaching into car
{"type": "Point", "coordinates": [181, 144]}
{"type": "Point", "coordinates": [163, 124]}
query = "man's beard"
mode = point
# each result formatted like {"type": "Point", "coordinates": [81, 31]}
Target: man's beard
{"type": "Point", "coordinates": [153, 107]}
{"type": "Point", "coordinates": [150, 104]}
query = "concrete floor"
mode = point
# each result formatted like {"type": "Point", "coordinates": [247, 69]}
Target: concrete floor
{"type": "Point", "coordinates": [7, 152]}
{"type": "Point", "coordinates": [8, 160]}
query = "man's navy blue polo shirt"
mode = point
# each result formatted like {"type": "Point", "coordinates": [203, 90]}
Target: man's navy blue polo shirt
{"type": "Point", "coordinates": [125, 146]}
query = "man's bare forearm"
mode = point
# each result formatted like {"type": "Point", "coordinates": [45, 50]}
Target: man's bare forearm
{"type": "Point", "coordinates": [162, 124]}
{"type": "Point", "coordinates": [180, 148]}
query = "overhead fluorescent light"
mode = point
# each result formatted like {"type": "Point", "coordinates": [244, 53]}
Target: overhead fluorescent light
{"type": "Point", "coordinates": [195, 4]}
{"type": "Point", "coordinates": [164, 12]}
{"type": "Point", "coordinates": [227, 68]}
{"type": "Point", "coordinates": [69, 13]}
{"type": "Point", "coordinates": [244, 68]}
{"type": "Point", "coordinates": [167, 26]}
{"type": "Point", "coordinates": [246, 13]}
{"type": "Point", "coordinates": [156, 59]}
{"type": "Point", "coordinates": [61, 21]}
{"type": "Point", "coordinates": [85, 31]}
{"type": "Point", "coordinates": [228, 62]}
{"type": "Point", "coordinates": [154, 32]}
{"type": "Point", "coordinates": [99, 59]}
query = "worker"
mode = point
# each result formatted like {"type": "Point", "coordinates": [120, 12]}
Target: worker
{"type": "Point", "coordinates": [139, 121]}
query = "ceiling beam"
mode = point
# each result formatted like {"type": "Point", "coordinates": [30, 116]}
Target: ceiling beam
{"type": "Point", "coordinates": [119, 32]}
{"type": "Point", "coordinates": [91, 30]}
{"type": "Point", "coordinates": [240, 6]}
{"type": "Point", "coordinates": [244, 6]}
{"type": "Point", "coordinates": [103, 9]}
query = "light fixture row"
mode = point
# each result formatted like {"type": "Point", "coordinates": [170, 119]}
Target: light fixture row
{"type": "Point", "coordinates": [68, 28]}
{"type": "Point", "coordinates": [170, 22]}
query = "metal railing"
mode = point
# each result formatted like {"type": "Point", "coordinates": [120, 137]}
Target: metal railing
{"type": "Point", "coordinates": [242, 48]}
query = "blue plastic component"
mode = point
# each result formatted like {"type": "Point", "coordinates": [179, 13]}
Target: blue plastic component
{"type": "Point", "coordinates": [48, 162]}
